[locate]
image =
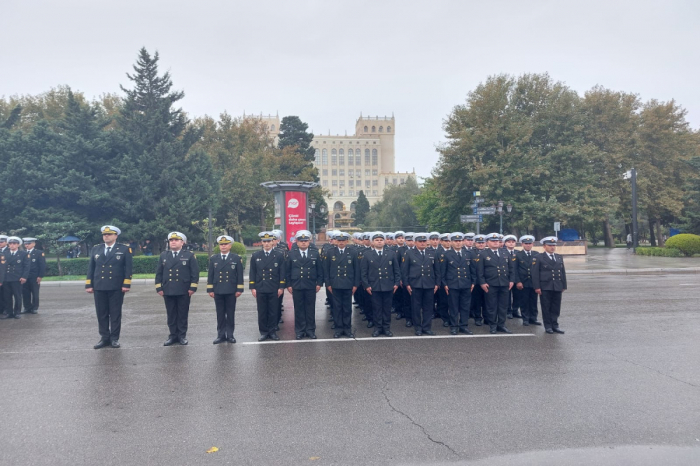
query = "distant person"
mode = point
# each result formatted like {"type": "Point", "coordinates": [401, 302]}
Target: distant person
{"type": "Point", "coordinates": [37, 270]}
{"type": "Point", "coordinates": [266, 283]}
{"type": "Point", "coordinates": [549, 281]}
{"type": "Point", "coordinates": [147, 248]}
{"type": "Point", "coordinates": [16, 275]}
{"type": "Point", "coordinates": [629, 240]}
{"type": "Point", "coordinates": [225, 285]}
{"type": "Point", "coordinates": [3, 269]}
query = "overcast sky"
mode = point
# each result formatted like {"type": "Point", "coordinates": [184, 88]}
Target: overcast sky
{"type": "Point", "coordinates": [327, 61]}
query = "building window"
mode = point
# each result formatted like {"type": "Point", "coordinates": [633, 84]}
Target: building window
{"type": "Point", "coordinates": [341, 159]}
{"type": "Point", "coordinates": [351, 193]}
{"type": "Point", "coordinates": [335, 193]}
{"type": "Point", "coordinates": [334, 182]}
{"type": "Point", "coordinates": [393, 181]}
{"type": "Point", "coordinates": [388, 129]}
{"type": "Point", "coordinates": [358, 172]}
{"type": "Point", "coordinates": [342, 172]}
{"type": "Point", "coordinates": [374, 172]}
{"type": "Point", "coordinates": [351, 158]}
{"type": "Point", "coordinates": [365, 129]}
{"type": "Point", "coordinates": [324, 157]}
{"type": "Point", "coordinates": [402, 181]}
{"type": "Point", "coordinates": [358, 158]}
{"type": "Point", "coordinates": [334, 172]}
{"type": "Point", "coordinates": [342, 183]}
{"type": "Point", "coordinates": [272, 128]}
{"type": "Point", "coordinates": [375, 183]}
{"type": "Point", "coordinates": [325, 183]}
{"type": "Point", "coordinates": [381, 129]}
{"type": "Point", "coordinates": [325, 172]}
{"type": "Point", "coordinates": [366, 156]}
{"type": "Point", "coordinates": [317, 157]}
{"type": "Point", "coordinates": [386, 181]}
{"type": "Point", "coordinates": [351, 183]}
{"type": "Point", "coordinates": [366, 172]}
{"type": "Point", "coordinates": [334, 157]}
{"type": "Point", "coordinates": [374, 157]}
{"type": "Point", "coordinates": [367, 184]}
{"type": "Point", "coordinates": [374, 129]}
{"type": "Point", "coordinates": [342, 193]}
{"type": "Point", "coordinates": [374, 193]}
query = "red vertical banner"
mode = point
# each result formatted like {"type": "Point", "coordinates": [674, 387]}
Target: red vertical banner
{"type": "Point", "coordinates": [295, 214]}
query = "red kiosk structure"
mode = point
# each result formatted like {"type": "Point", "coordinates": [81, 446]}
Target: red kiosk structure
{"type": "Point", "coordinates": [291, 206]}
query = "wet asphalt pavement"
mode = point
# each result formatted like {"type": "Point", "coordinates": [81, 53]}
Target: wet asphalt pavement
{"type": "Point", "coordinates": [621, 387]}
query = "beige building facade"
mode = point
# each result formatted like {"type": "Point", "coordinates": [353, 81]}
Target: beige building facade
{"type": "Point", "coordinates": [347, 165]}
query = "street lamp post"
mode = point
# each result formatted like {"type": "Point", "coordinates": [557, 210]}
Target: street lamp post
{"type": "Point", "coordinates": [500, 212]}
{"type": "Point", "coordinates": [313, 216]}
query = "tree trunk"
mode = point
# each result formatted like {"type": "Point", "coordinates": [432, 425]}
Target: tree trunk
{"type": "Point", "coordinates": [659, 236]}
{"type": "Point", "coordinates": [652, 237]}
{"type": "Point", "coordinates": [607, 234]}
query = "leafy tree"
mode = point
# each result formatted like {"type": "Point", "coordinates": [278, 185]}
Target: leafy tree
{"type": "Point", "coordinates": [361, 209]}
{"type": "Point", "coordinates": [293, 134]}
{"type": "Point", "coordinates": [395, 210]}
{"type": "Point", "coordinates": [13, 117]}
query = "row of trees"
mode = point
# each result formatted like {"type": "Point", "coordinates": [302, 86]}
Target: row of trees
{"type": "Point", "coordinates": [137, 160]}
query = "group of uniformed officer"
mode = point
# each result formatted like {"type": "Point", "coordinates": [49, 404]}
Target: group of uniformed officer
{"type": "Point", "coordinates": [21, 272]}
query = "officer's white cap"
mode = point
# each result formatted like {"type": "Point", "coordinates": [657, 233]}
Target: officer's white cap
{"type": "Point", "coordinates": [14, 239]}
{"type": "Point", "coordinates": [433, 234]}
{"type": "Point", "coordinates": [378, 234]}
{"type": "Point", "coordinates": [3, 238]}
{"type": "Point", "coordinates": [224, 239]}
{"type": "Point", "coordinates": [177, 235]}
{"type": "Point", "coordinates": [456, 236]}
{"type": "Point", "coordinates": [445, 236]}
{"type": "Point", "coordinates": [303, 235]}
{"type": "Point", "coordinates": [421, 237]}
{"type": "Point", "coordinates": [399, 233]}
{"type": "Point", "coordinates": [469, 235]}
{"type": "Point", "coordinates": [389, 236]}
{"type": "Point", "coordinates": [110, 230]}
{"type": "Point", "coordinates": [507, 237]}
{"type": "Point", "coordinates": [549, 240]}
{"type": "Point", "coordinates": [493, 237]}
{"type": "Point", "coordinates": [29, 240]}
{"type": "Point", "coordinates": [527, 239]}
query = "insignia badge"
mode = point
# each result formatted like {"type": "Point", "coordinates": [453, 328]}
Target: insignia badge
{"type": "Point", "coordinates": [389, 262]}
{"type": "Point", "coordinates": [19, 261]}
{"type": "Point", "coordinates": [533, 262]}
{"type": "Point", "coordinates": [314, 262]}
{"type": "Point", "coordinates": [184, 262]}
{"type": "Point", "coordinates": [332, 258]}
{"type": "Point", "coordinates": [33, 260]}
{"type": "Point", "coordinates": [97, 256]}
{"type": "Point", "coordinates": [349, 261]}
{"type": "Point", "coordinates": [119, 256]}
{"type": "Point", "coordinates": [275, 264]}
{"type": "Point", "coordinates": [233, 266]}
{"type": "Point", "coordinates": [488, 258]}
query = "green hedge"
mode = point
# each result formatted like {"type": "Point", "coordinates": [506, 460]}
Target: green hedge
{"type": "Point", "coordinates": [141, 264]}
{"type": "Point", "coordinates": [686, 243]}
{"type": "Point", "coordinates": [663, 252]}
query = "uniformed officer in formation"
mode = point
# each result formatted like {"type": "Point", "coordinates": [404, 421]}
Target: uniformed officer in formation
{"type": "Point", "coordinates": [478, 304]}
{"type": "Point", "coordinates": [420, 273]}
{"type": "Point", "coordinates": [458, 273]}
{"type": "Point", "coordinates": [177, 279]}
{"type": "Point", "coordinates": [342, 277]}
{"type": "Point", "coordinates": [441, 300]}
{"type": "Point", "coordinates": [509, 248]}
{"type": "Point", "coordinates": [225, 285]}
{"type": "Point", "coordinates": [108, 279]}
{"type": "Point", "coordinates": [267, 283]}
{"type": "Point", "coordinates": [37, 270]}
{"type": "Point", "coordinates": [281, 246]}
{"type": "Point", "coordinates": [495, 274]}
{"type": "Point", "coordinates": [381, 275]}
{"type": "Point", "coordinates": [526, 296]}
{"type": "Point", "coordinates": [3, 270]}
{"type": "Point", "coordinates": [549, 281]}
{"type": "Point", "coordinates": [304, 277]}
{"type": "Point", "coordinates": [16, 275]}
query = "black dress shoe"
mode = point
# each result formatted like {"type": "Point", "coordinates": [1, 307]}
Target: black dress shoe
{"type": "Point", "coordinates": [409, 323]}
{"type": "Point", "coordinates": [388, 333]}
{"type": "Point", "coordinates": [183, 341]}
{"type": "Point", "coordinates": [466, 330]}
{"type": "Point", "coordinates": [370, 324]}
{"type": "Point", "coordinates": [558, 330]}
{"type": "Point", "coordinates": [375, 333]}
{"type": "Point", "coordinates": [33, 311]}
{"type": "Point", "coordinates": [349, 334]}
{"type": "Point", "coordinates": [503, 329]}
{"type": "Point", "coordinates": [478, 323]}
{"type": "Point", "coordinates": [429, 332]}
{"type": "Point", "coordinates": [364, 318]}
{"type": "Point", "coordinates": [231, 339]}
{"type": "Point", "coordinates": [337, 335]}
{"type": "Point", "coordinates": [281, 321]}
{"type": "Point", "coordinates": [526, 323]}
{"type": "Point", "coordinates": [4, 316]}
{"type": "Point", "coordinates": [311, 335]}
{"type": "Point", "coordinates": [516, 315]}
{"type": "Point", "coordinates": [274, 336]}
{"type": "Point", "coordinates": [25, 311]}
{"type": "Point", "coordinates": [535, 322]}
{"type": "Point", "coordinates": [102, 344]}
{"type": "Point", "coordinates": [453, 331]}
{"type": "Point", "coordinates": [115, 344]}
{"type": "Point", "coordinates": [445, 323]}
{"type": "Point", "coordinates": [509, 316]}
{"type": "Point", "coordinates": [276, 329]}
{"type": "Point", "coordinates": [170, 341]}
{"type": "Point", "coordinates": [549, 330]}
{"type": "Point", "coordinates": [492, 331]}
{"type": "Point", "coordinates": [330, 319]}
{"type": "Point", "coordinates": [300, 336]}
{"type": "Point", "coordinates": [219, 340]}
{"type": "Point", "coordinates": [399, 317]}
{"type": "Point", "coordinates": [16, 316]}
{"type": "Point", "coordinates": [419, 333]}
{"type": "Point", "coordinates": [263, 337]}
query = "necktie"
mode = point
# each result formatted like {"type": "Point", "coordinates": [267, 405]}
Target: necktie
{"type": "Point", "coordinates": [497, 254]}
{"type": "Point", "coordinates": [175, 255]}
{"type": "Point", "coordinates": [225, 256]}
{"type": "Point", "coordinates": [422, 253]}
{"type": "Point", "coordinates": [528, 254]}
{"type": "Point", "coordinates": [551, 257]}
{"type": "Point", "coordinates": [459, 253]}
{"type": "Point", "coordinates": [109, 248]}
{"type": "Point", "coordinates": [303, 254]}
{"type": "Point", "coordinates": [380, 254]}
{"type": "Point", "coordinates": [267, 254]}
{"type": "Point", "coordinates": [13, 252]}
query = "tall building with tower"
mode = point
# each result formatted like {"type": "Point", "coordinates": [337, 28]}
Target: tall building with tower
{"type": "Point", "coordinates": [364, 161]}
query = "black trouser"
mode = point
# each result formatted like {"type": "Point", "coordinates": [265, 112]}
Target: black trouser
{"type": "Point", "coordinates": [381, 307]}
{"type": "Point", "coordinates": [10, 291]}
{"type": "Point", "coordinates": [304, 310]}
{"type": "Point", "coordinates": [551, 308]}
{"type": "Point", "coordinates": [368, 305]}
{"type": "Point", "coordinates": [406, 304]}
{"type": "Point", "coordinates": [442, 304]}
{"type": "Point", "coordinates": [279, 309]}
{"type": "Point", "coordinates": [527, 300]}
{"type": "Point", "coordinates": [396, 300]}
{"type": "Point", "coordinates": [342, 310]}
{"type": "Point", "coordinates": [108, 305]}
{"type": "Point", "coordinates": [459, 300]}
{"type": "Point", "coordinates": [178, 309]}
{"type": "Point", "coordinates": [422, 300]}
{"type": "Point", "coordinates": [496, 305]}
{"type": "Point", "coordinates": [477, 304]}
{"type": "Point", "coordinates": [30, 294]}
{"type": "Point", "coordinates": [225, 314]}
{"type": "Point", "coordinates": [268, 308]}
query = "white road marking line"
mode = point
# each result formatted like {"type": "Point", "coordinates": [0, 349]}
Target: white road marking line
{"type": "Point", "coordinates": [343, 338]}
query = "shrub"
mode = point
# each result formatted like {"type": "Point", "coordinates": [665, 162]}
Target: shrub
{"type": "Point", "coordinates": [686, 243]}
{"type": "Point", "coordinates": [236, 248]}
{"type": "Point", "coordinates": [77, 266]}
{"type": "Point", "coordinates": [662, 252]}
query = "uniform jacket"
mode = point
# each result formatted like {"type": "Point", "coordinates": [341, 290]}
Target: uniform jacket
{"type": "Point", "coordinates": [549, 274]}
{"type": "Point", "coordinates": [342, 271]}
{"type": "Point", "coordinates": [225, 276]}
{"type": "Point", "coordinates": [109, 273]}
{"type": "Point", "coordinates": [458, 272]}
{"type": "Point", "coordinates": [176, 277]}
{"type": "Point", "coordinates": [267, 272]}
{"type": "Point", "coordinates": [494, 270]}
{"type": "Point", "coordinates": [418, 271]}
{"type": "Point", "coordinates": [304, 274]}
{"type": "Point", "coordinates": [523, 269]}
{"type": "Point", "coordinates": [380, 274]}
{"type": "Point", "coordinates": [17, 266]}
{"type": "Point", "coordinates": [37, 263]}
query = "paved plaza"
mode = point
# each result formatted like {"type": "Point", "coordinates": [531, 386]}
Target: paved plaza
{"type": "Point", "coordinates": [621, 387]}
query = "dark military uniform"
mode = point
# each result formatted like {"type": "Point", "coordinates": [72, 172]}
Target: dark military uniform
{"type": "Point", "coordinates": [329, 298]}
{"type": "Point", "coordinates": [441, 300]}
{"type": "Point", "coordinates": [282, 248]}
{"type": "Point", "coordinates": [495, 270]}
{"type": "Point", "coordinates": [527, 298]}
{"type": "Point", "coordinates": [266, 278]}
{"type": "Point", "coordinates": [107, 275]}
{"type": "Point", "coordinates": [17, 268]}
{"type": "Point", "coordinates": [303, 275]}
{"type": "Point", "coordinates": [514, 296]}
{"type": "Point", "coordinates": [3, 270]}
{"type": "Point", "coordinates": [361, 295]}
{"type": "Point", "coordinates": [403, 302]}
{"type": "Point", "coordinates": [176, 276]}
{"type": "Point", "coordinates": [458, 275]}
{"type": "Point", "coordinates": [549, 276]}
{"type": "Point", "coordinates": [341, 272]}
{"type": "Point", "coordinates": [380, 273]}
{"type": "Point", "coordinates": [30, 290]}
{"type": "Point", "coordinates": [421, 272]}
{"type": "Point", "coordinates": [477, 306]}
{"type": "Point", "coordinates": [225, 279]}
